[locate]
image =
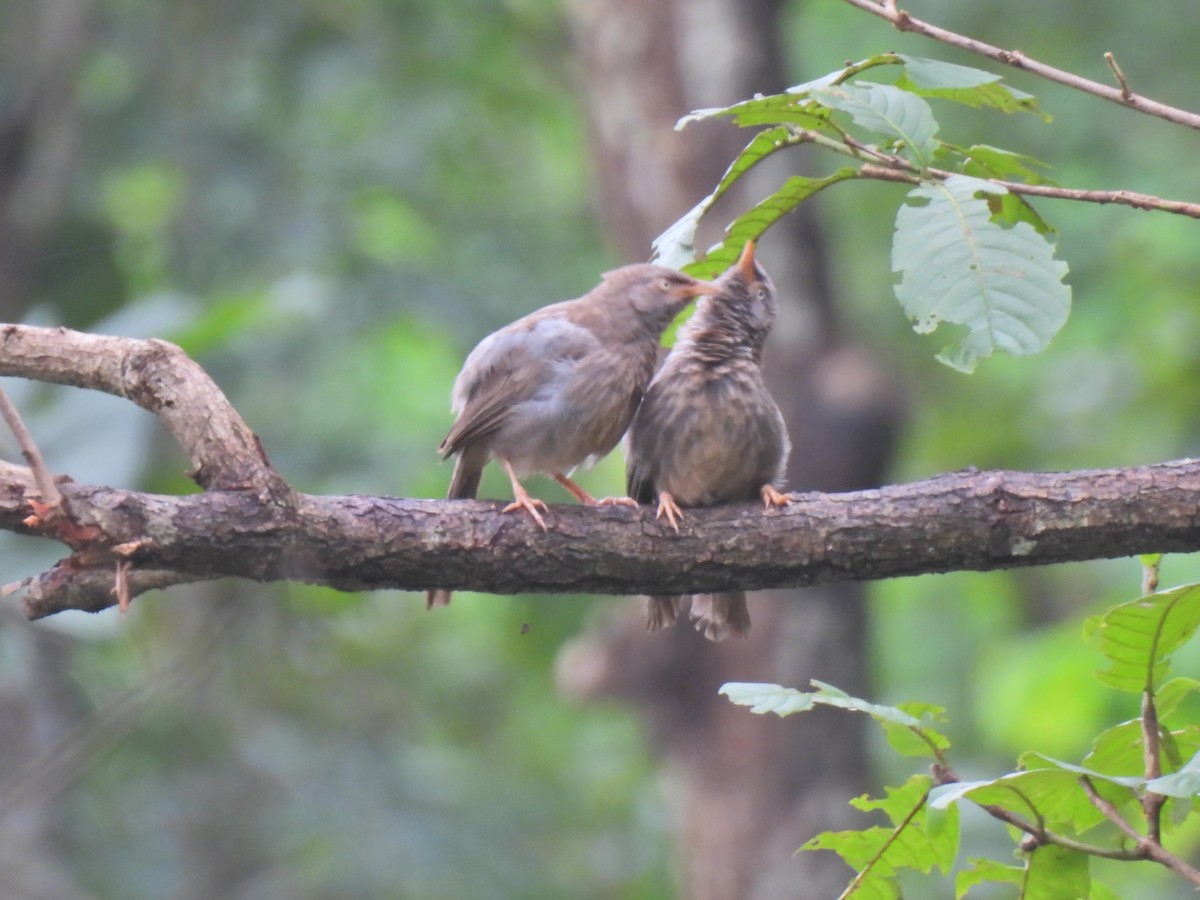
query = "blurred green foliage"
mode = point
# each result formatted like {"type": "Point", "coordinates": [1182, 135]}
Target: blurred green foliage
{"type": "Point", "coordinates": [329, 204]}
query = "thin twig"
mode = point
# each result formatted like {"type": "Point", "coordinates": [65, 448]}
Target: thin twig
{"type": "Point", "coordinates": [1109, 810]}
{"type": "Point", "coordinates": [1152, 803]}
{"type": "Point", "coordinates": [944, 775]}
{"type": "Point", "coordinates": [1018, 60]}
{"type": "Point", "coordinates": [1118, 74]}
{"type": "Point", "coordinates": [895, 168]}
{"type": "Point", "coordinates": [1146, 848]}
{"type": "Point", "coordinates": [45, 481]}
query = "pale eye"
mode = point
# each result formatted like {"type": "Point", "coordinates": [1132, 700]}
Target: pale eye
{"type": "Point", "coordinates": [664, 284]}
{"type": "Point", "coordinates": [762, 293]}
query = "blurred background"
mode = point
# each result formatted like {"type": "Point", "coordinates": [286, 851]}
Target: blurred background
{"type": "Point", "coordinates": [328, 204]}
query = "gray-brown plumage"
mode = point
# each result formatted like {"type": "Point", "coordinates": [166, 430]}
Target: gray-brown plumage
{"type": "Point", "coordinates": [708, 431]}
{"type": "Point", "coordinates": [557, 388]}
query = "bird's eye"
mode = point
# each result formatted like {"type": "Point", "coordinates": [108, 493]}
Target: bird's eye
{"type": "Point", "coordinates": [665, 284]}
{"type": "Point", "coordinates": [761, 293]}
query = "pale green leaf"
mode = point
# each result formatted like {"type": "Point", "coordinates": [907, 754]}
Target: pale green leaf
{"type": "Point", "coordinates": [885, 110]}
{"type": "Point", "coordinates": [1139, 637]}
{"type": "Point", "coordinates": [965, 85]}
{"type": "Point", "coordinates": [960, 267]}
{"type": "Point", "coordinates": [1184, 783]}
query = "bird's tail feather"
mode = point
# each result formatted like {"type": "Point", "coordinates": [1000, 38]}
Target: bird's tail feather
{"type": "Point", "coordinates": [464, 485]}
{"type": "Point", "coordinates": [662, 611]}
{"type": "Point", "coordinates": [720, 615]}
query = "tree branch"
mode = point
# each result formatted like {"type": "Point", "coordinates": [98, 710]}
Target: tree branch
{"type": "Point", "coordinates": [1018, 60]}
{"type": "Point", "coordinates": [889, 167]}
{"type": "Point", "coordinates": [258, 528]}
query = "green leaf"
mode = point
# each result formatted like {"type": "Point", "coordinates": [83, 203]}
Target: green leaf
{"type": "Point", "coordinates": [753, 223]}
{"type": "Point", "coordinates": [776, 109]}
{"type": "Point", "coordinates": [959, 266]}
{"type": "Point", "coordinates": [983, 871]}
{"type": "Point", "coordinates": [794, 106]}
{"type": "Point", "coordinates": [877, 854]}
{"type": "Point", "coordinates": [965, 85]}
{"type": "Point", "coordinates": [1051, 795]}
{"type": "Point", "coordinates": [1168, 697]}
{"type": "Point", "coordinates": [889, 112]}
{"type": "Point", "coordinates": [1055, 873]}
{"type": "Point", "coordinates": [984, 161]}
{"type": "Point", "coordinates": [675, 247]}
{"type": "Point", "coordinates": [923, 740]}
{"type": "Point", "coordinates": [1139, 637]}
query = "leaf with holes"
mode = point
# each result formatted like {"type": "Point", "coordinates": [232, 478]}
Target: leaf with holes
{"type": "Point", "coordinates": [960, 267]}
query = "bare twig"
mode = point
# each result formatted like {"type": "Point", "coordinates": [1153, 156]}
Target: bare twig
{"type": "Point", "coordinates": [1037, 833]}
{"type": "Point", "coordinates": [887, 167]}
{"type": "Point", "coordinates": [1018, 60]}
{"type": "Point", "coordinates": [1147, 848]}
{"type": "Point", "coordinates": [1152, 803]}
{"type": "Point", "coordinates": [1126, 93]}
{"type": "Point", "coordinates": [29, 450]}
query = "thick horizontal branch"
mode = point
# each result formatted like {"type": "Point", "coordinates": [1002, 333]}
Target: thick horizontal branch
{"type": "Point", "coordinates": [965, 520]}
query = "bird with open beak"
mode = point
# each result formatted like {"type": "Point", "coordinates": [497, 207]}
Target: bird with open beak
{"type": "Point", "coordinates": [557, 389]}
{"type": "Point", "coordinates": [708, 431]}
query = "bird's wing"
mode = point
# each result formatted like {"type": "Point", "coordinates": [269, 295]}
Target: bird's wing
{"type": "Point", "coordinates": [509, 367]}
{"type": "Point", "coordinates": [642, 453]}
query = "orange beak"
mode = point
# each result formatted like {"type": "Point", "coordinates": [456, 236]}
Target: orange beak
{"type": "Point", "coordinates": [745, 263]}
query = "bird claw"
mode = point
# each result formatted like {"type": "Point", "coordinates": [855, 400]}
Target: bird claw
{"type": "Point", "coordinates": [669, 508]}
{"type": "Point", "coordinates": [531, 505]}
{"type": "Point", "coordinates": [772, 497]}
{"type": "Point", "coordinates": [616, 501]}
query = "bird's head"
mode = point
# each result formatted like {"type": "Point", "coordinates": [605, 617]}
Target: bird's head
{"type": "Point", "coordinates": [657, 294]}
{"type": "Point", "coordinates": [743, 311]}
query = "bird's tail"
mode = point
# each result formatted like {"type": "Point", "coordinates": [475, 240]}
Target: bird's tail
{"type": "Point", "coordinates": [662, 611]}
{"type": "Point", "coordinates": [720, 615]}
{"type": "Point", "coordinates": [464, 485]}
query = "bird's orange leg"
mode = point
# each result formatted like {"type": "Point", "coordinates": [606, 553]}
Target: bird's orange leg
{"type": "Point", "coordinates": [772, 497]}
{"type": "Point", "coordinates": [669, 508]}
{"type": "Point", "coordinates": [522, 499]}
{"type": "Point", "coordinates": [580, 494]}
{"type": "Point", "coordinates": [587, 499]}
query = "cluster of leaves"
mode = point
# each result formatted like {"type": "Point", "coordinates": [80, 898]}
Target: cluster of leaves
{"type": "Point", "coordinates": [969, 251]}
{"type": "Point", "coordinates": [1140, 779]}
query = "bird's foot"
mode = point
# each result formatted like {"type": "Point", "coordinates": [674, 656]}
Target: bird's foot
{"type": "Point", "coordinates": [772, 497]}
{"type": "Point", "coordinates": [616, 501]}
{"type": "Point", "coordinates": [531, 505]}
{"type": "Point", "coordinates": [669, 508]}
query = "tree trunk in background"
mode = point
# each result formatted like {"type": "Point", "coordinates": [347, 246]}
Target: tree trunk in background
{"type": "Point", "coordinates": [746, 790]}
{"type": "Point", "coordinates": [41, 47]}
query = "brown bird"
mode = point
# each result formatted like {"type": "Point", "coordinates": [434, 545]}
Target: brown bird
{"type": "Point", "coordinates": [557, 388]}
{"type": "Point", "coordinates": [708, 431]}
